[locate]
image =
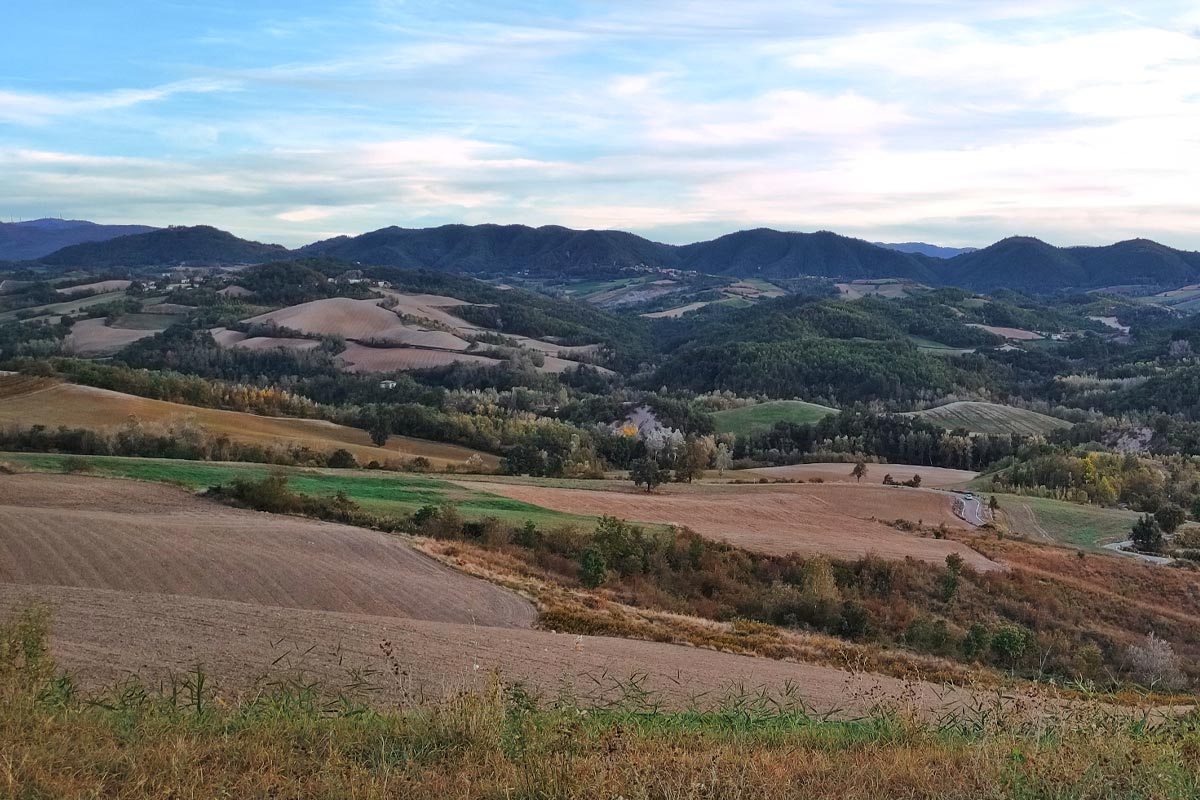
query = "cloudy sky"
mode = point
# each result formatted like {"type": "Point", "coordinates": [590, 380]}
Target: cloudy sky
{"type": "Point", "coordinates": [291, 120]}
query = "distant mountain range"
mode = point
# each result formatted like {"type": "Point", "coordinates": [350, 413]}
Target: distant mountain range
{"type": "Point", "coordinates": [924, 249]}
{"type": "Point", "coordinates": [1020, 263]}
{"type": "Point", "coordinates": [167, 247]}
{"type": "Point", "coordinates": [25, 241]}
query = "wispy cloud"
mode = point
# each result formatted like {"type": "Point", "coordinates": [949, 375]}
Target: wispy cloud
{"type": "Point", "coordinates": [916, 119]}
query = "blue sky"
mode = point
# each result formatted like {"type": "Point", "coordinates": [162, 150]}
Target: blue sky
{"type": "Point", "coordinates": [952, 122]}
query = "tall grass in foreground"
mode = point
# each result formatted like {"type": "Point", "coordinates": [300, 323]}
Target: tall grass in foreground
{"type": "Point", "coordinates": [290, 740]}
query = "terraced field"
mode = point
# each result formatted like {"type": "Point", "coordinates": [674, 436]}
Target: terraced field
{"type": "Point", "coordinates": [993, 418]}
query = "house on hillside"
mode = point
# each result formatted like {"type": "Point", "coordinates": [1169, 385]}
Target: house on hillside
{"type": "Point", "coordinates": [387, 384]}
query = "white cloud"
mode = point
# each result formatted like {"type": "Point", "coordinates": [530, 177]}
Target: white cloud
{"type": "Point", "coordinates": [31, 109]}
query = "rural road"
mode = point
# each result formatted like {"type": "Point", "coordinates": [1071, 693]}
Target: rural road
{"type": "Point", "coordinates": [971, 510]}
{"type": "Point", "coordinates": [1119, 547]}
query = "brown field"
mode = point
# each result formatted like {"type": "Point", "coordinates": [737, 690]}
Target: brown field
{"type": "Point", "coordinates": [836, 520]}
{"type": "Point", "coordinates": [276, 342]}
{"type": "Point", "coordinates": [336, 316]}
{"type": "Point", "coordinates": [91, 337]}
{"type": "Point", "coordinates": [129, 536]}
{"type": "Point", "coordinates": [97, 287]}
{"type": "Point", "coordinates": [360, 358]}
{"type": "Point", "coordinates": [1016, 334]}
{"type": "Point", "coordinates": [931, 477]}
{"type": "Point", "coordinates": [147, 579]}
{"type": "Point", "coordinates": [235, 291]}
{"type": "Point", "coordinates": [431, 307]}
{"type": "Point", "coordinates": [678, 311]}
{"type": "Point", "coordinates": [54, 404]}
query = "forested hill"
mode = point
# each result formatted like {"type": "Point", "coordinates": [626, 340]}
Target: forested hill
{"type": "Point", "coordinates": [1028, 264]}
{"type": "Point", "coordinates": [1020, 263]}
{"type": "Point", "coordinates": [201, 244]}
{"type": "Point", "coordinates": [20, 241]}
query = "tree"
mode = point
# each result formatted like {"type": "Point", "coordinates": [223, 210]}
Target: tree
{"type": "Point", "coordinates": [722, 459]}
{"type": "Point", "coordinates": [342, 459]}
{"type": "Point", "coordinates": [381, 429]}
{"type": "Point", "coordinates": [693, 458]}
{"type": "Point", "coordinates": [915, 482]}
{"type": "Point", "coordinates": [646, 472]}
{"type": "Point", "coordinates": [1147, 535]}
{"type": "Point", "coordinates": [1009, 643]}
{"type": "Point", "coordinates": [859, 472]}
{"type": "Point", "coordinates": [1169, 517]}
{"type": "Point", "coordinates": [592, 568]}
{"type": "Point", "coordinates": [993, 505]}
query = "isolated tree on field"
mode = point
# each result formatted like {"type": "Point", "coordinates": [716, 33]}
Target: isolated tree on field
{"type": "Point", "coordinates": [1169, 517]}
{"type": "Point", "coordinates": [915, 482]}
{"type": "Point", "coordinates": [646, 472]}
{"type": "Point", "coordinates": [381, 429]}
{"type": "Point", "coordinates": [859, 472]}
{"type": "Point", "coordinates": [993, 505]}
{"type": "Point", "coordinates": [722, 458]}
{"type": "Point", "coordinates": [693, 459]}
{"type": "Point", "coordinates": [1147, 535]}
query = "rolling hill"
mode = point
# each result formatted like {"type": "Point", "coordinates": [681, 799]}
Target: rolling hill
{"type": "Point", "coordinates": [1019, 262]}
{"type": "Point", "coordinates": [201, 244]}
{"type": "Point", "coordinates": [1029, 264]}
{"type": "Point", "coordinates": [22, 241]}
{"type": "Point", "coordinates": [991, 418]}
{"type": "Point", "coordinates": [763, 416]}
{"type": "Point", "coordinates": [25, 402]}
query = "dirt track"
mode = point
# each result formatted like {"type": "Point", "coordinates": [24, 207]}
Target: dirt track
{"type": "Point", "coordinates": [137, 537]}
{"type": "Point", "coordinates": [831, 519]}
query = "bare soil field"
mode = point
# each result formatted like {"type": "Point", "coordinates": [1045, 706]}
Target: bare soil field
{"type": "Point", "coordinates": [836, 520]}
{"type": "Point", "coordinates": [931, 477]}
{"type": "Point", "coordinates": [92, 337]}
{"type": "Point", "coordinates": [1016, 334]}
{"type": "Point", "coordinates": [336, 316]}
{"type": "Point", "coordinates": [275, 343]}
{"type": "Point", "coordinates": [128, 536]}
{"type": "Point", "coordinates": [150, 580]}
{"type": "Point", "coordinates": [678, 311]}
{"type": "Point", "coordinates": [103, 636]}
{"type": "Point", "coordinates": [26, 403]}
{"type": "Point", "coordinates": [97, 287]}
{"type": "Point", "coordinates": [360, 358]}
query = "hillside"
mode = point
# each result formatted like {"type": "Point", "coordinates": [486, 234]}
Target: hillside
{"type": "Point", "coordinates": [25, 402]}
{"type": "Point", "coordinates": [25, 241]}
{"type": "Point", "coordinates": [763, 416]}
{"type": "Point", "coordinates": [1029, 264]}
{"type": "Point", "coordinates": [992, 418]}
{"type": "Point", "coordinates": [768, 254]}
{"type": "Point", "coordinates": [201, 244]}
{"type": "Point", "coordinates": [498, 249]}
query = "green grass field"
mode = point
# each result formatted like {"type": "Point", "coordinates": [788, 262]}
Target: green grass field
{"type": "Point", "coordinates": [1058, 521]}
{"type": "Point", "coordinates": [762, 417]}
{"type": "Point", "coordinates": [385, 493]}
{"type": "Point", "coordinates": [937, 348]}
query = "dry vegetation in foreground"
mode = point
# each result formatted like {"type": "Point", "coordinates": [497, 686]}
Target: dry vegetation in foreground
{"type": "Point", "coordinates": [292, 739]}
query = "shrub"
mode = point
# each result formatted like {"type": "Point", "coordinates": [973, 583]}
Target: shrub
{"type": "Point", "coordinates": [342, 459]}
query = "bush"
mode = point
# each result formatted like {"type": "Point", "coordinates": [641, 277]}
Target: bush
{"type": "Point", "coordinates": [342, 459]}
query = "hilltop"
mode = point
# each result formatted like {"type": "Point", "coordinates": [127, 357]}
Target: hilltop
{"type": "Point", "coordinates": [21, 241]}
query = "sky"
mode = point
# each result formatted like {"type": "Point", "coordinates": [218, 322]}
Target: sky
{"type": "Point", "coordinates": [957, 123]}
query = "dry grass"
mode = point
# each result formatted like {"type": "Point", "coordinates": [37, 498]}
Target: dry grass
{"type": "Point", "coordinates": [291, 738]}
{"type": "Point", "coordinates": [25, 402]}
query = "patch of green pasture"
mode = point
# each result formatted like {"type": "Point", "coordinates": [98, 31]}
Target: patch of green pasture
{"type": "Point", "coordinates": [763, 416]}
{"type": "Point", "coordinates": [383, 493]}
